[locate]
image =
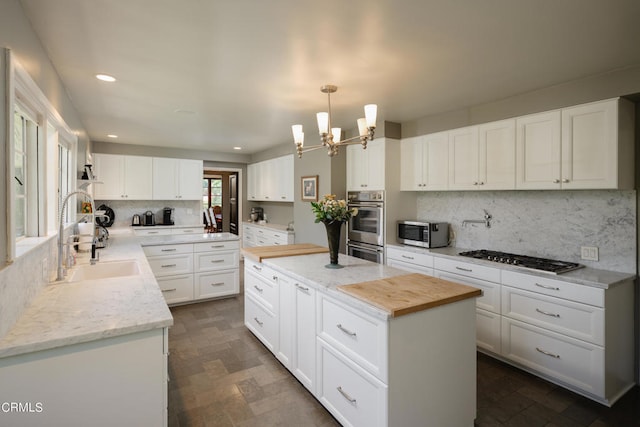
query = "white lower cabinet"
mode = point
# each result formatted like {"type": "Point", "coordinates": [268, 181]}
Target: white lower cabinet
{"type": "Point", "coordinates": [117, 381]}
{"type": "Point", "coordinates": [191, 272]}
{"type": "Point", "coordinates": [365, 370]}
{"type": "Point", "coordinates": [263, 235]}
{"type": "Point", "coordinates": [409, 260]}
{"type": "Point", "coordinates": [352, 395]}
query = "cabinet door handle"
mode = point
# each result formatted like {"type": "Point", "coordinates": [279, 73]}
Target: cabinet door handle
{"type": "Point", "coordinates": [302, 288]}
{"type": "Point", "coordinates": [345, 330]}
{"type": "Point", "coordinates": [168, 265]}
{"type": "Point", "coordinates": [346, 395]}
{"type": "Point", "coordinates": [168, 250]}
{"type": "Point", "coordinates": [169, 290]}
{"type": "Point", "coordinates": [258, 288]}
{"type": "Point", "coordinates": [257, 321]}
{"type": "Point", "coordinates": [217, 284]}
{"type": "Point", "coordinates": [257, 268]}
{"type": "Point", "coordinates": [556, 181]}
{"type": "Point", "coordinates": [468, 270]}
{"type": "Point", "coordinates": [553, 288]}
{"type": "Point", "coordinates": [546, 313]}
{"type": "Point", "coordinates": [555, 356]}
{"type": "Point", "coordinates": [565, 180]}
{"type": "Point", "coordinates": [213, 261]}
{"type": "Point", "coordinates": [274, 277]}
{"type": "Point", "coordinates": [407, 257]}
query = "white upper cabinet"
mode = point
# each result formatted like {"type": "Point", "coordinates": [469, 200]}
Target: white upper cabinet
{"type": "Point", "coordinates": [597, 145]}
{"type": "Point", "coordinates": [538, 151]}
{"type": "Point", "coordinates": [424, 162]}
{"type": "Point", "coordinates": [497, 155]}
{"type": "Point", "coordinates": [123, 177]}
{"type": "Point", "coordinates": [271, 180]}
{"type": "Point", "coordinates": [366, 167]}
{"type": "Point", "coordinates": [463, 159]}
{"type": "Point", "coordinates": [177, 179]}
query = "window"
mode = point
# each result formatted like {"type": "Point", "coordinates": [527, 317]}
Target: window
{"type": "Point", "coordinates": [211, 192]}
{"type": "Point", "coordinates": [25, 151]}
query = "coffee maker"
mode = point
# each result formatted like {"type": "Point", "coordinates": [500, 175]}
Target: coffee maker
{"type": "Point", "coordinates": [166, 216]}
{"type": "Point", "coordinates": [257, 214]}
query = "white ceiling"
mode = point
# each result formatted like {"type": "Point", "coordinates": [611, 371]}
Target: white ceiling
{"type": "Point", "coordinates": [249, 69]}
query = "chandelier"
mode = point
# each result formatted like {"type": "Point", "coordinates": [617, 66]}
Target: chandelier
{"type": "Point", "coordinates": [330, 137]}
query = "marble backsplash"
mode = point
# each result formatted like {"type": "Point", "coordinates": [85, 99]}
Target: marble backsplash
{"type": "Point", "coordinates": [550, 224]}
{"type": "Point", "coordinates": [186, 212]}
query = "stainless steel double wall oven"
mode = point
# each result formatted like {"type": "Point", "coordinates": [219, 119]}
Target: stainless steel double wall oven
{"type": "Point", "coordinates": [366, 230]}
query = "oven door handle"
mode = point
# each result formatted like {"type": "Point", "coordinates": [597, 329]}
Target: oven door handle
{"type": "Point", "coordinates": [365, 205]}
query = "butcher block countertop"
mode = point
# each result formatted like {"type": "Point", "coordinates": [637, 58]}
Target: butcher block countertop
{"type": "Point", "coordinates": [258, 253]}
{"type": "Point", "coordinates": [400, 295]}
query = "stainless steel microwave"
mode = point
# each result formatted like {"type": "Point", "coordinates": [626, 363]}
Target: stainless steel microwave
{"type": "Point", "coordinates": [424, 234]}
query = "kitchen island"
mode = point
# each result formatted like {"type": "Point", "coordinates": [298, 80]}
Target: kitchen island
{"type": "Point", "coordinates": [367, 364]}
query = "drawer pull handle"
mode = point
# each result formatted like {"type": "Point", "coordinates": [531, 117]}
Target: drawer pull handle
{"type": "Point", "coordinates": [258, 289]}
{"type": "Point", "coordinates": [187, 231]}
{"type": "Point", "coordinates": [546, 313]}
{"type": "Point", "coordinates": [345, 395]}
{"type": "Point", "coordinates": [555, 356]}
{"type": "Point", "coordinates": [553, 288]}
{"type": "Point", "coordinates": [213, 261]}
{"type": "Point", "coordinates": [168, 250]}
{"type": "Point", "coordinates": [302, 288]}
{"type": "Point", "coordinates": [346, 331]}
{"type": "Point", "coordinates": [153, 232]}
{"type": "Point", "coordinates": [217, 246]}
{"type": "Point", "coordinates": [257, 268]}
{"type": "Point", "coordinates": [169, 290]}
{"type": "Point", "coordinates": [407, 257]}
{"type": "Point", "coordinates": [217, 284]}
{"type": "Point", "coordinates": [167, 265]}
{"type": "Point", "coordinates": [257, 321]}
{"type": "Point", "coordinates": [464, 269]}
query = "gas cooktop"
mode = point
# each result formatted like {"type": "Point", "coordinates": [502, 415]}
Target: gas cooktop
{"type": "Point", "coordinates": [538, 264]}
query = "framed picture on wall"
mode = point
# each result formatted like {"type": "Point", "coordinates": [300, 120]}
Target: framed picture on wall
{"type": "Point", "coordinates": [310, 188]}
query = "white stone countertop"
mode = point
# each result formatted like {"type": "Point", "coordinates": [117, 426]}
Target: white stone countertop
{"type": "Point", "coordinates": [583, 276]}
{"type": "Point", "coordinates": [174, 239]}
{"type": "Point", "coordinates": [310, 270]}
{"type": "Point", "coordinates": [270, 226]}
{"type": "Point", "coordinates": [66, 313]}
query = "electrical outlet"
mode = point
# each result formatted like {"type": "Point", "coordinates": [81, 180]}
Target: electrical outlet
{"type": "Point", "coordinates": [589, 253]}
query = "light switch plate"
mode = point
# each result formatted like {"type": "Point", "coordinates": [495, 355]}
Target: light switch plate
{"type": "Point", "coordinates": [589, 253]}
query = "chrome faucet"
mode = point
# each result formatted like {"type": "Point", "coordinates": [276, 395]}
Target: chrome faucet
{"type": "Point", "coordinates": [486, 221]}
{"type": "Point", "coordinates": [61, 243]}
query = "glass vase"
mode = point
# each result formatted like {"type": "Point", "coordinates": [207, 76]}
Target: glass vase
{"type": "Point", "coordinates": [334, 228]}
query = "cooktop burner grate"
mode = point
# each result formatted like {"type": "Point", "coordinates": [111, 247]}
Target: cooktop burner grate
{"type": "Point", "coordinates": [533, 263]}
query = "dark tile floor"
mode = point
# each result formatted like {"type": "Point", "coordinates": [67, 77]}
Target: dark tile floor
{"type": "Point", "coordinates": [221, 375]}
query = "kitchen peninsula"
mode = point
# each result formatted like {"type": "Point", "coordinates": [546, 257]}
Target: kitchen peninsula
{"type": "Point", "coordinates": [363, 341]}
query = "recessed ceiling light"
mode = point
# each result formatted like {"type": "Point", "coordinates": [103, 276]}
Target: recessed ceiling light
{"type": "Point", "coordinates": [237, 148]}
{"type": "Point", "coordinates": [112, 135]}
{"type": "Point", "coordinates": [105, 78]}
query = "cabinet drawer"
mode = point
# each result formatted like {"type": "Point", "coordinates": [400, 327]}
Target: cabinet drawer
{"type": "Point", "coordinates": [414, 268]}
{"type": "Point", "coordinates": [152, 231]}
{"type": "Point", "coordinates": [361, 337]}
{"type": "Point", "coordinates": [488, 327]}
{"type": "Point", "coordinates": [419, 259]}
{"type": "Point", "coordinates": [490, 298]}
{"type": "Point", "coordinates": [176, 289]}
{"type": "Point", "coordinates": [352, 395]}
{"type": "Point", "coordinates": [467, 269]}
{"type": "Point", "coordinates": [216, 246]}
{"type": "Point", "coordinates": [579, 321]}
{"type": "Point", "coordinates": [267, 273]}
{"type": "Point", "coordinates": [209, 261]}
{"type": "Point", "coordinates": [557, 288]}
{"type": "Point", "coordinates": [167, 250]}
{"type": "Point", "coordinates": [264, 291]}
{"type": "Point", "coordinates": [191, 230]}
{"type": "Point", "coordinates": [221, 283]}
{"type": "Point", "coordinates": [170, 265]}
{"type": "Point", "coordinates": [571, 361]}
{"type": "Point", "coordinates": [260, 322]}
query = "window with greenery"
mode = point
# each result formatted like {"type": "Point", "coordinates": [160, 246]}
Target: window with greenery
{"type": "Point", "coordinates": [211, 192]}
